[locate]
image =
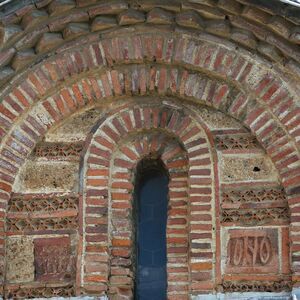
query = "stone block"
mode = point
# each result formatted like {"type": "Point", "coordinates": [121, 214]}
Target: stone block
{"type": "Point", "coordinates": [280, 26]}
{"type": "Point", "coordinates": [23, 58]}
{"type": "Point", "coordinates": [107, 8]}
{"type": "Point", "coordinates": [103, 22]}
{"type": "Point", "coordinates": [48, 41]}
{"type": "Point", "coordinates": [130, 17]}
{"type": "Point", "coordinates": [206, 12]}
{"type": "Point", "coordinates": [250, 251]}
{"type": "Point", "coordinates": [30, 39]}
{"type": "Point", "coordinates": [256, 15]}
{"type": "Point", "coordinates": [5, 74]}
{"type": "Point", "coordinates": [33, 18]}
{"type": "Point", "coordinates": [53, 259]}
{"type": "Point", "coordinates": [59, 23]}
{"type": "Point", "coordinates": [39, 176]}
{"type": "Point", "coordinates": [247, 167]}
{"type": "Point", "coordinates": [173, 6]}
{"type": "Point", "coordinates": [74, 30]}
{"type": "Point", "coordinates": [215, 119]}
{"type": "Point", "coordinates": [190, 19]}
{"type": "Point", "coordinates": [270, 51]}
{"type": "Point", "coordinates": [160, 16]}
{"type": "Point", "coordinates": [230, 5]}
{"type": "Point", "coordinates": [59, 6]}
{"type": "Point", "coordinates": [20, 259]}
{"type": "Point", "coordinates": [204, 2]}
{"type": "Point", "coordinates": [293, 67]}
{"type": "Point", "coordinates": [9, 32]}
{"type": "Point", "coordinates": [6, 56]}
{"type": "Point", "coordinates": [220, 28]}
{"type": "Point", "coordinates": [244, 37]}
{"type": "Point", "coordinates": [295, 35]}
{"type": "Point", "coordinates": [76, 129]}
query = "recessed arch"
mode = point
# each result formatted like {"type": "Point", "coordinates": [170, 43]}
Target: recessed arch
{"type": "Point", "coordinates": [261, 105]}
{"type": "Point", "coordinates": [136, 120]}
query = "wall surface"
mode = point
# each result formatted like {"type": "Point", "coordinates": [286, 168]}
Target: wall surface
{"type": "Point", "coordinates": [88, 89]}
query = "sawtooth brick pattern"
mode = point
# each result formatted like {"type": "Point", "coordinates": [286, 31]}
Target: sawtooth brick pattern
{"type": "Point", "coordinates": [43, 27]}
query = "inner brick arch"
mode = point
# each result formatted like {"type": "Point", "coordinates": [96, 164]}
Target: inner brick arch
{"type": "Point", "coordinates": [174, 157]}
{"type": "Point", "coordinates": [200, 194]}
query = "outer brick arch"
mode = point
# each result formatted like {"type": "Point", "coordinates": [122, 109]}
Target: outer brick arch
{"type": "Point", "coordinates": [260, 120]}
{"type": "Point", "coordinates": [191, 191]}
{"type": "Point", "coordinates": [212, 56]}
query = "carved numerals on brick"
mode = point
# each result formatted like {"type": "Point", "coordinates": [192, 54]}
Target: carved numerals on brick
{"type": "Point", "coordinates": [252, 251]}
{"type": "Point", "coordinates": [53, 259]}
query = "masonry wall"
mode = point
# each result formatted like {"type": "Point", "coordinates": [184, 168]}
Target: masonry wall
{"type": "Point", "coordinates": [90, 89]}
{"type": "Point", "coordinates": [70, 216]}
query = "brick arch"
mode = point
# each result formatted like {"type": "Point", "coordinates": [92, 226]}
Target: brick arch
{"type": "Point", "coordinates": [25, 121]}
{"type": "Point", "coordinates": [215, 57]}
{"type": "Point", "coordinates": [110, 163]}
{"type": "Point", "coordinates": [247, 24]}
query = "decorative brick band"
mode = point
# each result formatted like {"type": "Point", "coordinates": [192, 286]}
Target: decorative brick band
{"type": "Point", "coordinates": [60, 151]}
{"type": "Point", "coordinates": [32, 203]}
{"type": "Point", "coordinates": [35, 291]}
{"type": "Point", "coordinates": [256, 206]}
{"type": "Point", "coordinates": [32, 213]}
{"type": "Point", "coordinates": [257, 286]}
{"type": "Point", "coordinates": [244, 141]}
{"type": "Point", "coordinates": [119, 143]}
{"type": "Point", "coordinates": [49, 225]}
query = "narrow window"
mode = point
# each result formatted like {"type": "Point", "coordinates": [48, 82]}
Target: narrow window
{"type": "Point", "coordinates": [151, 219]}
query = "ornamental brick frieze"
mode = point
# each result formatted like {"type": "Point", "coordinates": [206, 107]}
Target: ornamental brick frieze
{"type": "Point", "coordinates": [250, 217]}
{"type": "Point", "coordinates": [36, 291]}
{"type": "Point", "coordinates": [229, 142]}
{"type": "Point", "coordinates": [42, 202]}
{"type": "Point", "coordinates": [59, 151]}
{"type": "Point", "coordinates": [255, 195]}
{"type": "Point", "coordinates": [256, 286]}
{"type": "Point", "coordinates": [29, 225]}
{"type": "Point", "coordinates": [254, 206]}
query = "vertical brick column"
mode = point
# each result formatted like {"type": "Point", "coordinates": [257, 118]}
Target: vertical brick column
{"type": "Point", "coordinates": [201, 214]}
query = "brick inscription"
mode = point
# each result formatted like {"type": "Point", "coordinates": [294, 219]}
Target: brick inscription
{"type": "Point", "coordinates": [53, 259]}
{"type": "Point", "coordinates": [252, 251]}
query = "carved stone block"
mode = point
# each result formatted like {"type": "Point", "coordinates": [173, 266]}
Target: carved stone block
{"type": "Point", "coordinates": [53, 259]}
{"type": "Point", "coordinates": [19, 255]}
{"type": "Point", "coordinates": [42, 176]}
{"type": "Point", "coordinates": [252, 251]}
{"type": "Point", "coordinates": [247, 168]}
